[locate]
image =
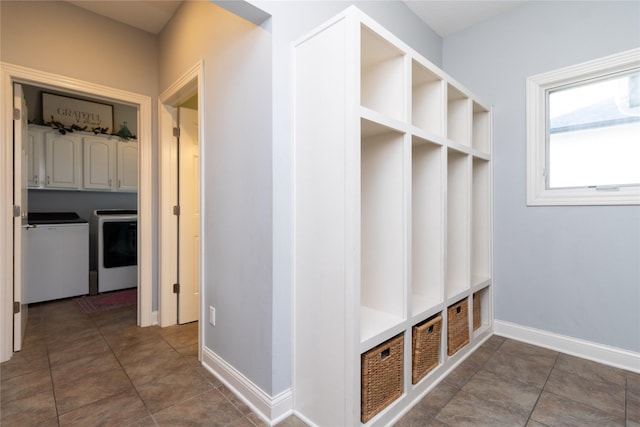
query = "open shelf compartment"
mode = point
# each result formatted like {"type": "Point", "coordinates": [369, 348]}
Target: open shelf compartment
{"type": "Point", "coordinates": [481, 222]}
{"type": "Point", "coordinates": [481, 309]}
{"type": "Point", "coordinates": [426, 225]}
{"type": "Point", "coordinates": [382, 234]}
{"type": "Point", "coordinates": [382, 75]}
{"type": "Point", "coordinates": [458, 116]}
{"type": "Point", "coordinates": [481, 128]}
{"type": "Point", "coordinates": [458, 169]}
{"type": "Point", "coordinates": [427, 100]}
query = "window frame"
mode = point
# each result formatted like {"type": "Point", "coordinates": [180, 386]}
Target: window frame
{"type": "Point", "coordinates": [536, 101]}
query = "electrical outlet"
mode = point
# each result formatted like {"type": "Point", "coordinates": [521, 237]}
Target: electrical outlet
{"type": "Point", "coordinates": [212, 316]}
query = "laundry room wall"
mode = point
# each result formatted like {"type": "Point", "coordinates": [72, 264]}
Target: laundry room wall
{"type": "Point", "coordinates": [61, 38]}
{"type": "Point", "coordinates": [122, 114]}
{"type": "Point", "coordinates": [81, 202]}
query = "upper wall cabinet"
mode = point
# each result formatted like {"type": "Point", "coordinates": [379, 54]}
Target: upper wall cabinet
{"type": "Point", "coordinates": [79, 161]}
{"type": "Point", "coordinates": [127, 170]}
{"type": "Point", "coordinates": [63, 154]}
{"type": "Point", "coordinates": [392, 221]}
{"type": "Point", "coordinates": [99, 163]}
{"type": "Point", "coordinates": [35, 157]}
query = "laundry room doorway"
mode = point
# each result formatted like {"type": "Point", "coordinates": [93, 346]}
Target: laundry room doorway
{"type": "Point", "coordinates": [12, 74]}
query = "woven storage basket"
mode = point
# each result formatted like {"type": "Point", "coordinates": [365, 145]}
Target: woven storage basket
{"type": "Point", "coordinates": [381, 384]}
{"type": "Point", "coordinates": [457, 326]}
{"type": "Point", "coordinates": [477, 311]}
{"type": "Point", "coordinates": [425, 347]}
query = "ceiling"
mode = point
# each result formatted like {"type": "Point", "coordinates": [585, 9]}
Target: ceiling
{"type": "Point", "coordinates": [444, 17]}
{"type": "Point", "coordinates": [147, 15]}
{"type": "Point", "coordinates": [448, 17]}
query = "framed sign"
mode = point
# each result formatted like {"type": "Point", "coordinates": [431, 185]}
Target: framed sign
{"type": "Point", "coordinates": [71, 111]}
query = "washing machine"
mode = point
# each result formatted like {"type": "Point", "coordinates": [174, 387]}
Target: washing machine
{"type": "Point", "coordinates": [114, 251]}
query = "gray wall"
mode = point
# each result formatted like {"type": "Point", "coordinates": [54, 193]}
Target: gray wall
{"type": "Point", "coordinates": [573, 271]}
{"type": "Point", "coordinates": [61, 38]}
{"type": "Point", "coordinates": [235, 177]}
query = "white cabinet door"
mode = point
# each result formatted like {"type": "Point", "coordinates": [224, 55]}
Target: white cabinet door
{"type": "Point", "coordinates": [35, 156]}
{"type": "Point", "coordinates": [99, 163]}
{"type": "Point", "coordinates": [127, 166]}
{"type": "Point", "coordinates": [62, 161]}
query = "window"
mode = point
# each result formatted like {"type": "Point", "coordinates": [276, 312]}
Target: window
{"type": "Point", "coordinates": [583, 133]}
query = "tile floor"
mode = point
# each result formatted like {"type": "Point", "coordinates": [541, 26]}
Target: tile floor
{"type": "Point", "coordinates": [100, 369]}
{"type": "Point", "coordinates": [509, 383]}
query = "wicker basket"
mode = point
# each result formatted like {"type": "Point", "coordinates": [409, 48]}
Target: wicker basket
{"type": "Point", "coordinates": [477, 310]}
{"type": "Point", "coordinates": [381, 384]}
{"type": "Point", "coordinates": [425, 347]}
{"type": "Point", "coordinates": [457, 326]}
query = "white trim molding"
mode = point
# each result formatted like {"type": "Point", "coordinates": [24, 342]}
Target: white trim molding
{"type": "Point", "coordinates": [192, 81]}
{"type": "Point", "coordinates": [271, 409]}
{"type": "Point", "coordinates": [537, 86]}
{"type": "Point", "coordinates": [612, 356]}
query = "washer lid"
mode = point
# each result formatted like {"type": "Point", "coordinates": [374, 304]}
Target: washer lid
{"type": "Point", "coordinates": [55, 218]}
{"type": "Point", "coordinates": [104, 212]}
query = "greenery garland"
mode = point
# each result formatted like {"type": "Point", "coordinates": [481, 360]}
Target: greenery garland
{"type": "Point", "coordinates": [124, 133]}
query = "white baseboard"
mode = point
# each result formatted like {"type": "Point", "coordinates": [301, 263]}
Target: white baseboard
{"type": "Point", "coordinates": [271, 409]}
{"type": "Point", "coordinates": [600, 353]}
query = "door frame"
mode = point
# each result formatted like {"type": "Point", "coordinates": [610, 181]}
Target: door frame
{"type": "Point", "coordinates": [182, 89]}
{"type": "Point", "coordinates": [11, 73]}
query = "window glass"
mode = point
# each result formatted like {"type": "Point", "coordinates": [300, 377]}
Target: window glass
{"type": "Point", "coordinates": [593, 133]}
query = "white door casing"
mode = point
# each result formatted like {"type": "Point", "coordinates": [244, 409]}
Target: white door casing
{"type": "Point", "coordinates": [10, 74]}
{"type": "Point", "coordinates": [167, 222]}
{"type": "Point", "coordinates": [190, 83]}
{"type": "Point", "coordinates": [188, 220]}
{"type": "Point", "coordinates": [20, 220]}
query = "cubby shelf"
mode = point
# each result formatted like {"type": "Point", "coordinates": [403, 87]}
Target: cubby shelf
{"type": "Point", "coordinates": [381, 75]}
{"type": "Point", "coordinates": [426, 224]}
{"type": "Point", "coordinates": [427, 96]}
{"type": "Point", "coordinates": [481, 225]}
{"type": "Point", "coordinates": [458, 116]}
{"type": "Point", "coordinates": [382, 223]}
{"type": "Point", "coordinates": [458, 181]}
{"type": "Point", "coordinates": [480, 139]}
{"type": "Point", "coordinates": [392, 213]}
